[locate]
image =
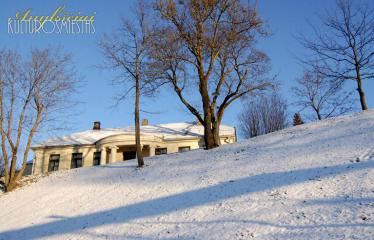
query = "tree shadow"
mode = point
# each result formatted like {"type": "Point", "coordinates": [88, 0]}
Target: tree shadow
{"type": "Point", "coordinates": [270, 224]}
{"type": "Point", "coordinates": [342, 200]}
{"type": "Point", "coordinates": [180, 201]}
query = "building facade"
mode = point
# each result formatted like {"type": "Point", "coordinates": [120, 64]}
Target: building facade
{"type": "Point", "coordinates": [102, 146]}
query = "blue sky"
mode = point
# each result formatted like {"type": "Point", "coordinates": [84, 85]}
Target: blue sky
{"type": "Point", "coordinates": [284, 18]}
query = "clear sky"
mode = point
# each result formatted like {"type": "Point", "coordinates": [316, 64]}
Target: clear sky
{"type": "Point", "coordinates": [285, 18]}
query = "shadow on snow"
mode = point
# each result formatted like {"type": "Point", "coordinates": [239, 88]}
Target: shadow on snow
{"type": "Point", "coordinates": [181, 201]}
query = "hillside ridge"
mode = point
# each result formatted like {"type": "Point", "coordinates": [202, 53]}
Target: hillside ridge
{"type": "Point", "coordinates": [313, 181]}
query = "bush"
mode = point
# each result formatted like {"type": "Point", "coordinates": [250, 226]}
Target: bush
{"type": "Point", "coordinates": [262, 115]}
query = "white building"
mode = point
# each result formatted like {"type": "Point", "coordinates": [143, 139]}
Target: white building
{"type": "Point", "coordinates": [101, 146]}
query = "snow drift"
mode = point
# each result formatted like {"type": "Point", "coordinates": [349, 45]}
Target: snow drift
{"type": "Point", "coordinates": [314, 181]}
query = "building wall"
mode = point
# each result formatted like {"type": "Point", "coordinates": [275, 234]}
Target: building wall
{"type": "Point", "coordinates": [173, 146]}
{"type": "Point", "coordinates": [42, 157]}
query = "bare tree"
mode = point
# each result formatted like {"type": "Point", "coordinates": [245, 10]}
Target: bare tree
{"type": "Point", "coordinates": [344, 48]}
{"type": "Point", "coordinates": [250, 122]}
{"type": "Point", "coordinates": [324, 97]}
{"type": "Point", "coordinates": [126, 53]}
{"type": "Point", "coordinates": [209, 47]}
{"type": "Point", "coordinates": [262, 115]}
{"type": "Point", "coordinates": [31, 92]}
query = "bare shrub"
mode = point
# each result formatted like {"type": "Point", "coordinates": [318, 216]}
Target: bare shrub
{"type": "Point", "coordinates": [262, 115]}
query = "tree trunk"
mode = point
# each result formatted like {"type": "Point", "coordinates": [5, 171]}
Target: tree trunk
{"type": "Point", "coordinates": [139, 154]}
{"type": "Point", "coordinates": [216, 125]}
{"type": "Point", "coordinates": [359, 82]}
{"type": "Point", "coordinates": [13, 163]}
{"type": "Point", "coordinates": [318, 114]}
{"type": "Point", "coordinates": [6, 167]}
{"type": "Point", "coordinates": [208, 130]}
{"type": "Point", "coordinates": [10, 186]}
{"type": "Point", "coordinates": [361, 93]}
{"type": "Point", "coordinates": [208, 133]}
{"type": "Point", "coordinates": [10, 182]}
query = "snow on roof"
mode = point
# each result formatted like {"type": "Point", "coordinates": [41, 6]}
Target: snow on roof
{"type": "Point", "coordinates": [166, 131]}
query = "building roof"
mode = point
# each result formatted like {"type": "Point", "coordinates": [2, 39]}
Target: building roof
{"type": "Point", "coordinates": [169, 131]}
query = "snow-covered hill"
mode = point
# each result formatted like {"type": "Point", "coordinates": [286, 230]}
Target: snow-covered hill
{"type": "Point", "coordinates": [314, 181]}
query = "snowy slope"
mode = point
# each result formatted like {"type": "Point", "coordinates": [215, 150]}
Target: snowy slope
{"type": "Point", "coordinates": [314, 181]}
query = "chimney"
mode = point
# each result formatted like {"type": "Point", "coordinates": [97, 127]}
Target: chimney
{"type": "Point", "coordinates": [96, 126]}
{"type": "Point", "coordinates": [145, 122]}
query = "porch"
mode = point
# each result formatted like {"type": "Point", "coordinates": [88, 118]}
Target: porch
{"type": "Point", "coordinates": [118, 153]}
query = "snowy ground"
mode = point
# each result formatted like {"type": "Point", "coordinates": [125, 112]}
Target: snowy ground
{"type": "Point", "coordinates": [314, 181]}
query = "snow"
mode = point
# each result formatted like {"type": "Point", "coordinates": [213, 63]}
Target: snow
{"type": "Point", "coordinates": [168, 131]}
{"type": "Point", "coordinates": [314, 181]}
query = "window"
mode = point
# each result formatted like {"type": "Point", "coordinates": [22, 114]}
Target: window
{"type": "Point", "coordinates": [184, 149]}
{"type": "Point", "coordinates": [160, 151]}
{"type": "Point", "coordinates": [96, 158]}
{"type": "Point", "coordinates": [54, 161]}
{"type": "Point", "coordinates": [128, 155]}
{"type": "Point", "coordinates": [76, 160]}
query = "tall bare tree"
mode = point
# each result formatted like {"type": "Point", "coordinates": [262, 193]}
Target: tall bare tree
{"type": "Point", "coordinates": [325, 98]}
{"type": "Point", "coordinates": [31, 92]}
{"type": "Point", "coordinates": [344, 46]}
{"type": "Point", "coordinates": [208, 47]}
{"type": "Point", "coordinates": [126, 53]}
{"type": "Point", "coordinates": [262, 115]}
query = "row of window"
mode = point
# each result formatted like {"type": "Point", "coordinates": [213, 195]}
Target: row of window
{"type": "Point", "coordinates": [160, 151]}
{"type": "Point", "coordinates": [76, 161]}
{"type": "Point", "coordinates": [77, 158]}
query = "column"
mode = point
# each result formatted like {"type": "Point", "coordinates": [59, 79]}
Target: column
{"type": "Point", "coordinates": [103, 156]}
{"type": "Point", "coordinates": [113, 154]}
{"type": "Point", "coordinates": [151, 150]}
